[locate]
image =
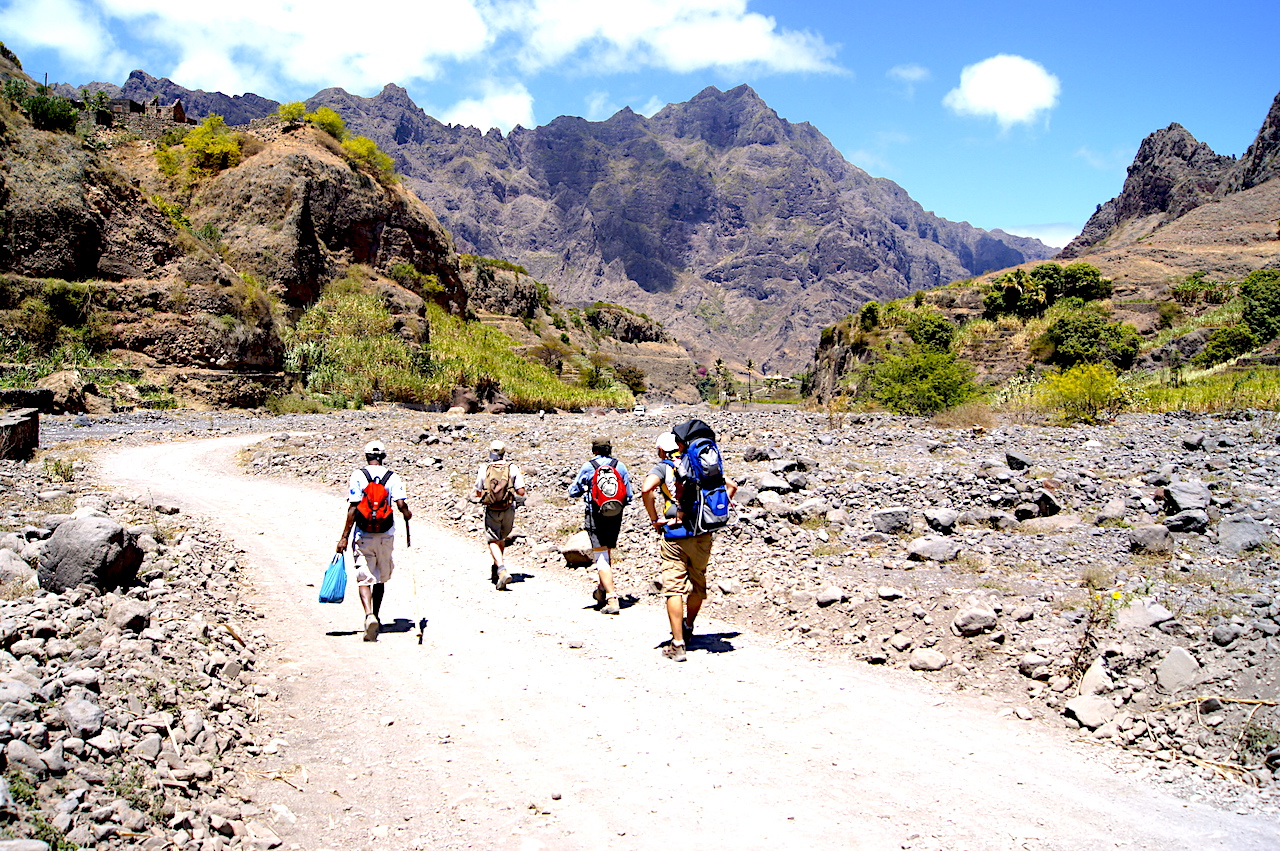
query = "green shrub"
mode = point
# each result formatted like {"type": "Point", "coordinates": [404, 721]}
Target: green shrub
{"type": "Point", "coordinates": [931, 329]}
{"type": "Point", "coordinates": [211, 146]}
{"type": "Point", "coordinates": [10, 55]}
{"type": "Point", "coordinates": [51, 112]}
{"type": "Point", "coordinates": [168, 161]}
{"type": "Point", "coordinates": [16, 90]}
{"type": "Point", "coordinates": [1083, 280]}
{"type": "Point", "coordinates": [174, 136]}
{"type": "Point", "coordinates": [175, 212]}
{"type": "Point", "coordinates": [365, 151]}
{"type": "Point", "coordinates": [408, 276]}
{"type": "Point", "coordinates": [1170, 313]}
{"type": "Point", "coordinates": [291, 112]}
{"type": "Point", "coordinates": [1225, 344]}
{"type": "Point", "coordinates": [1087, 337]}
{"type": "Point", "coordinates": [1027, 294]}
{"type": "Point", "coordinates": [329, 121]}
{"type": "Point", "coordinates": [869, 316]}
{"type": "Point", "coordinates": [1260, 291]}
{"type": "Point", "coordinates": [922, 380]}
{"type": "Point", "coordinates": [1084, 393]}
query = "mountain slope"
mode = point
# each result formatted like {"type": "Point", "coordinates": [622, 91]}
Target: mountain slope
{"type": "Point", "coordinates": [742, 232]}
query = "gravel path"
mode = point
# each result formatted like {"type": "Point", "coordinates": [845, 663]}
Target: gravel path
{"type": "Point", "coordinates": [527, 721]}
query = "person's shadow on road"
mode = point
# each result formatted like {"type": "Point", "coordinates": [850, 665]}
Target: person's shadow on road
{"type": "Point", "coordinates": [714, 642]}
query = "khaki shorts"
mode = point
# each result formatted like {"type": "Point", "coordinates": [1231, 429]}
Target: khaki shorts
{"type": "Point", "coordinates": [498, 524]}
{"type": "Point", "coordinates": [373, 557]}
{"type": "Point", "coordinates": [684, 565]}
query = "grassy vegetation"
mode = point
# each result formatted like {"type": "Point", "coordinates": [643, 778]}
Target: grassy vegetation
{"type": "Point", "coordinates": [1212, 391]}
{"type": "Point", "coordinates": [475, 355]}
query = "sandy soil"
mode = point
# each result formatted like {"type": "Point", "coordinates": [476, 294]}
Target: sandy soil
{"type": "Point", "coordinates": [528, 721]}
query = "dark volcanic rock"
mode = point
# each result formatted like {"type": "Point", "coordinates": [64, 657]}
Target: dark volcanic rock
{"type": "Point", "coordinates": [90, 551]}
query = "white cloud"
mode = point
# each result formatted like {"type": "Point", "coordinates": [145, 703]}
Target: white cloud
{"type": "Point", "coordinates": [674, 35]}
{"type": "Point", "coordinates": [599, 106]}
{"type": "Point", "coordinates": [500, 106]}
{"type": "Point", "coordinates": [73, 29]}
{"type": "Point", "coordinates": [281, 43]}
{"type": "Point", "coordinates": [652, 107]}
{"type": "Point", "coordinates": [1055, 235]}
{"type": "Point", "coordinates": [909, 73]}
{"type": "Point", "coordinates": [1010, 89]}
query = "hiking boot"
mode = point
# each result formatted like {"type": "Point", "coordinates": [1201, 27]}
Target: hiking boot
{"type": "Point", "coordinates": [504, 579]}
{"type": "Point", "coordinates": [493, 574]}
{"type": "Point", "coordinates": [611, 607]}
{"type": "Point", "coordinates": [371, 627]}
{"type": "Point", "coordinates": [687, 629]}
{"type": "Point", "coordinates": [674, 651]}
{"type": "Point", "coordinates": [598, 596]}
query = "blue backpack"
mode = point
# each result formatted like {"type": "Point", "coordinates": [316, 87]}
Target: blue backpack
{"type": "Point", "coordinates": [708, 508]}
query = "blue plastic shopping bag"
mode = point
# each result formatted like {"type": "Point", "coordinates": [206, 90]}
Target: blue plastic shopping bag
{"type": "Point", "coordinates": [334, 587]}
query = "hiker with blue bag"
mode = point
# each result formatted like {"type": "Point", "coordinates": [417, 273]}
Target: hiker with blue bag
{"type": "Point", "coordinates": [371, 492]}
{"type": "Point", "coordinates": [702, 507]}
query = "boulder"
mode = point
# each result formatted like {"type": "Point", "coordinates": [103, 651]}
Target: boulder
{"type": "Point", "coordinates": [577, 550]}
{"type": "Point", "coordinates": [1017, 460]}
{"type": "Point", "coordinates": [1090, 710]}
{"type": "Point", "coordinates": [933, 548]}
{"type": "Point", "coordinates": [1177, 670]}
{"type": "Point", "coordinates": [67, 388]}
{"type": "Point", "coordinates": [1152, 538]}
{"type": "Point", "coordinates": [1192, 520]}
{"type": "Point", "coordinates": [129, 615]}
{"type": "Point", "coordinates": [83, 718]}
{"type": "Point", "coordinates": [831, 595]}
{"type": "Point", "coordinates": [973, 621]}
{"type": "Point", "coordinates": [1192, 495]}
{"type": "Point", "coordinates": [13, 567]}
{"type": "Point", "coordinates": [1143, 613]}
{"type": "Point", "coordinates": [927, 659]}
{"type": "Point", "coordinates": [942, 520]}
{"type": "Point", "coordinates": [1114, 510]}
{"type": "Point", "coordinates": [891, 520]}
{"type": "Point", "coordinates": [92, 551]}
{"type": "Point", "coordinates": [1240, 532]}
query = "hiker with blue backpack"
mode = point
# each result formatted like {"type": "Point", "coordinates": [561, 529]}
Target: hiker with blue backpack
{"type": "Point", "coordinates": [703, 497]}
{"type": "Point", "coordinates": [371, 492]}
{"type": "Point", "coordinates": [605, 489]}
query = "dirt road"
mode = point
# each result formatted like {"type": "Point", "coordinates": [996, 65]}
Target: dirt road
{"type": "Point", "coordinates": [528, 721]}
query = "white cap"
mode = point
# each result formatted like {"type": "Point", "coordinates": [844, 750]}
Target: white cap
{"type": "Point", "coordinates": [375, 447]}
{"type": "Point", "coordinates": [667, 442]}
{"type": "Point", "coordinates": [498, 446]}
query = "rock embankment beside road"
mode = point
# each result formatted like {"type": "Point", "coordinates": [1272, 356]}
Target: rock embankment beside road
{"type": "Point", "coordinates": [126, 717]}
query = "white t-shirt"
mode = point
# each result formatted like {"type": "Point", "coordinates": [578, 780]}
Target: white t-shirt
{"type": "Point", "coordinates": [395, 486]}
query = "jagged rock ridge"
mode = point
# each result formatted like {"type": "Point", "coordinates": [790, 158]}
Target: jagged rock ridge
{"type": "Point", "coordinates": [1172, 175]}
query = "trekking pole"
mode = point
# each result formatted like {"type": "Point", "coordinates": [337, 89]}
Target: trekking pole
{"type": "Point", "coordinates": [418, 619]}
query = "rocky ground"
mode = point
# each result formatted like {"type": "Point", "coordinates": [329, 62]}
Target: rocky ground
{"type": "Point", "coordinates": [1117, 580]}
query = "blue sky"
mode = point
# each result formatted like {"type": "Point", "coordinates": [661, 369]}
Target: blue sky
{"type": "Point", "coordinates": [1021, 116]}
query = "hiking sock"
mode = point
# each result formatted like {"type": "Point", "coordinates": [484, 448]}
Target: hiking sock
{"type": "Point", "coordinates": [379, 589]}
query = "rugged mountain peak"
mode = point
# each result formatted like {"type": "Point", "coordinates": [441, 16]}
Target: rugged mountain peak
{"type": "Point", "coordinates": [1173, 174]}
{"type": "Point", "coordinates": [1262, 161]}
{"type": "Point", "coordinates": [393, 95]}
{"type": "Point", "coordinates": [735, 118]}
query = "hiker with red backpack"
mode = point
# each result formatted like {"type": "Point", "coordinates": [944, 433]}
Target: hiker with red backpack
{"type": "Point", "coordinates": [371, 492]}
{"type": "Point", "coordinates": [605, 489]}
{"type": "Point", "coordinates": [499, 487]}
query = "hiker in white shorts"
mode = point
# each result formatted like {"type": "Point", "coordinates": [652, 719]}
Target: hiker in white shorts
{"type": "Point", "coordinates": [372, 547]}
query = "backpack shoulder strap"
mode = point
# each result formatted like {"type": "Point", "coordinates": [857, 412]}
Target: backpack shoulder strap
{"type": "Point", "coordinates": [368, 477]}
{"type": "Point", "coordinates": [383, 481]}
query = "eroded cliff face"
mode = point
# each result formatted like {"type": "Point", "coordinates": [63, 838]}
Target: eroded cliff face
{"type": "Point", "coordinates": [292, 215]}
{"type": "Point", "coordinates": [743, 233]}
{"type": "Point", "coordinates": [296, 213]}
{"type": "Point", "coordinates": [1172, 175]}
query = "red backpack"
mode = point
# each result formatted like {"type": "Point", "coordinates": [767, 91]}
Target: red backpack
{"type": "Point", "coordinates": [607, 491]}
{"type": "Point", "coordinates": [373, 511]}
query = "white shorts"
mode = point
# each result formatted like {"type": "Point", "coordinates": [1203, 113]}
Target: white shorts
{"type": "Point", "coordinates": [373, 557]}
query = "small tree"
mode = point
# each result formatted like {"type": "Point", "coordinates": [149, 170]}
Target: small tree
{"type": "Point", "coordinates": [211, 147]}
{"type": "Point", "coordinates": [1085, 393]}
{"type": "Point", "coordinates": [291, 113]}
{"type": "Point", "coordinates": [751, 364]}
{"type": "Point", "coordinates": [922, 380]}
{"type": "Point", "coordinates": [869, 316]}
{"type": "Point", "coordinates": [931, 329]}
{"type": "Point", "coordinates": [1225, 344]}
{"type": "Point", "coordinates": [328, 121]}
{"type": "Point", "coordinates": [364, 150]}
{"type": "Point", "coordinates": [1260, 291]}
